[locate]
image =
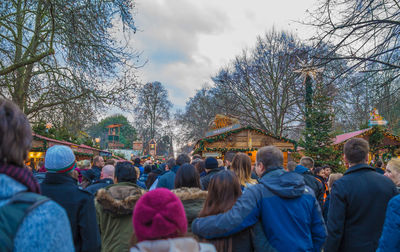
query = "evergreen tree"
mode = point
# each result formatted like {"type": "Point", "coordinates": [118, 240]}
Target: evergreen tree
{"type": "Point", "coordinates": [318, 132]}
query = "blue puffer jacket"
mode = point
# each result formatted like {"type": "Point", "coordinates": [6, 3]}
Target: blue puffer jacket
{"type": "Point", "coordinates": [46, 228]}
{"type": "Point", "coordinates": [289, 213]}
{"type": "Point", "coordinates": [167, 180]}
{"type": "Point", "coordinates": [390, 239]}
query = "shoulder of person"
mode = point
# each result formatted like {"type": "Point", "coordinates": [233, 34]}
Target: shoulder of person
{"type": "Point", "coordinates": [85, 193]}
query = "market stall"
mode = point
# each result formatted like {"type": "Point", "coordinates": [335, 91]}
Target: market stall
{"type": "Point", "coordinates": [247, 139]}
{"type": "Point", "coordinates": [383, 144]}
{"type": "Point", "coordinates": [41, 143]}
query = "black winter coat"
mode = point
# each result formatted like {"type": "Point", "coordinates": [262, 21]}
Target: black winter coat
{"type": "Point", "coordinates": [357, 209]}
{"type": "Point", "coordinates": [313, 183]}
{"type": "Point", "coordinates": [205, 181]}
{"type": "Point", "coordinates": [97, 172]}
{"type": "Point", "coordinates": [98, 185]}
{"type": "Point", "coordinates": [79, 205]}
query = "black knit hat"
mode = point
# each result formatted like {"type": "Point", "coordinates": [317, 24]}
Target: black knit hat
{"type": "Point", "coordinates": [211, 163]}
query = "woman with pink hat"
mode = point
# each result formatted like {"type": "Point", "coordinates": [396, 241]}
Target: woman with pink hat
{"type": "Point", "coordinates": [160, 224]}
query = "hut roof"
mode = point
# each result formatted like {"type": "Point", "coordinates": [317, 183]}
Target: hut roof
{"type": "Point", "coordinates": [222, 136]}
{"type": "Point", "coordinates": [391, 138]}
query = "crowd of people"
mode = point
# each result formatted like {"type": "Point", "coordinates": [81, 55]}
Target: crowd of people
{"type": "Point", "coordinates": [192, 203]}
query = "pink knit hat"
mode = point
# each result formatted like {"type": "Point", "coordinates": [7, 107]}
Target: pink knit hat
{"type": "Point", "coordinates": [159, 214]}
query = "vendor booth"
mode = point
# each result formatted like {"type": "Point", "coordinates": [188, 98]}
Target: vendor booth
{"type": "Point", "coordinates": [235, 138]}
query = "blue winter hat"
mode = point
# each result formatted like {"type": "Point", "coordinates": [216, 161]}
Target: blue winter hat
{"type": "Point", "coordinates": [211, 163]}
{"type": "Point", "coordinates": [59, 159]}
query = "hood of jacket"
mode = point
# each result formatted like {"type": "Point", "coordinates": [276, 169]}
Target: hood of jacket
{"type": "Point", "coordinates": [177, 245]}
{"type": "Point", "coordinates": [285, 185]}
{"type": "Point", "coordinates": [301, 169]}
{"type": "Point", "coordinates": [119, 199]}
{"type": "Point", "coordinates": [193, 193]}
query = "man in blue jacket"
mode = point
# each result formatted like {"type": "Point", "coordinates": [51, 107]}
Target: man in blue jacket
{"type": "Point", "coordinates": [289, 213]}
{"type": "Point", "coordinates": [167, 180]}
{"type": "Point", "coordinates": [358, 203]}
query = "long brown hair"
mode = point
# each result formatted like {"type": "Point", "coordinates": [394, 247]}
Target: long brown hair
{"type": "Point", "coordinates": [241, 165]}
{"type": "Point", "coordinates": [223, 191]}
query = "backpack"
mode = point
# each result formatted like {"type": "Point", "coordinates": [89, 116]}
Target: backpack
{"type": "Point", "coordinates": [13, 213]}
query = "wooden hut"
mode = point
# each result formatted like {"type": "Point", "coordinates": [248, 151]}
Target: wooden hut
{"type": "Point", "coordinates": [383, 143]}
{"type": "Point", "coordinates": [241, 139]}
{"type": "Point", "coordinates": [40, 144]}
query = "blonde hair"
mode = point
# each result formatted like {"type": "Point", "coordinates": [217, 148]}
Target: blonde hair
{"type": "Point", "coordinates": [394, 163]}
{"type": "Point", "coordinates": [332, 178]}
{"type": "Point", "coordinates": [241, 165]}
{"type": "Point", "coordinates": [137, 172]}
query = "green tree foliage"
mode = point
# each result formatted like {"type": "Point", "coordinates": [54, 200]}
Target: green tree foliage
{"type": "Point", "coordinates": [318, 136]}
{"type": "Point", "coordinates": [128, 132]}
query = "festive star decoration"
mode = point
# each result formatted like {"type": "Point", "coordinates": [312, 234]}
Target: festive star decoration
{"type": "Point", "coordinates": [308, 69]}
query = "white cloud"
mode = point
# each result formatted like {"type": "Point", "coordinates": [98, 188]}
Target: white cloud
{"type": "Point", "coordinates": [187, 41]}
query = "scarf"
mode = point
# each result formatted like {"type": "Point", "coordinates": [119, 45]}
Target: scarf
{"type": "Point", "coordinates": [22, 175]}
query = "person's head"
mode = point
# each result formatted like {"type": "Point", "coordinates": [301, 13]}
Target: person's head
{"type": "Point", "coordinates": [84, 164]}
{"type": "Point", "coordinates": [136, 161]}
{"type": "Point", "coordinates": [319, 171]}
{"type": "Point", "coordinates": [200, 166]}
{"type": "Point", "coordinates": [170, 164]}
{"type": "Point", "coordinates": [125, 172]}
{"type": "Point", "coordinates": [268, 157]}
{"type": "Point", "coordinates": [332, 178]}
{"type": "Point", "coordinates": [211, 164]}
{"type": "Point", "coordinates": [393, 170]}
{"type": "Point", "coordinates": [182, 159]}
{"type": "Point", "coordinates": [150, 179]}
{"type": "Point", "coordinates": [228, 157]}
{"type": "Point", "coordinates": [379, 164]}
{"type": "Point", "coordinates": [307, 162]}
{"type": "Point", "coordinates": [356, 151]}
{"type": "Point", "coordinates": [187, 176]}
{"type": "Point", "coordinates": [291, 165]}
{"type": "Point", "coordinates": [159, 214]}
{"type": "Point", "coordinates": [241, 166]}
{"type": "Point", "coordinates": [147, 169]}
{"type": "Point", "coordinates": [195, 161]}
{"type": "Point", "coordinates": [327, 170]}
{"type": "Point", "coordinates": [59, 159]}
{"type": "Point", "coordinates": [98, 161]}
{"type": "Point", "coordinates": [112, 162]}
{"type": "Point", "coordinates": [196, 156]}
{"type": "Point", "coordinates": [108, 172]}
{"type": "Point", "coordinates": [40, 164]}
{"type": "Point", "coordinates": [220, 163]}
{"type": "Point", "coordinates": [16, 134]}
{"type": "Point", "coordinates": [223, 191]}
{"type": "Point", "coordinates": [88, 177]}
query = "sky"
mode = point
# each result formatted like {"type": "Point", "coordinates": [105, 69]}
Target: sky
{"type": "Point", "coordinates": [186, 42]}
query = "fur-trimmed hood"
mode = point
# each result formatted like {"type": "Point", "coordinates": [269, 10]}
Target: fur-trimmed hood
{"type": "Point", "coordinates": [119, 199]}
{"type": "Point", "coordinates": [186, 193]}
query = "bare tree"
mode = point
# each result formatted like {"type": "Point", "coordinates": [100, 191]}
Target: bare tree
{"type": "Point", "coordinates": [152, 109]}
{"type": "Point", "coordinates": [262, 84]}
{"type": "Point", "coordinates": [199, 112]}
{"type": "Point", "coordinates": [365, 33]}
{"type": "Point", "coordinates": [56, 52]}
